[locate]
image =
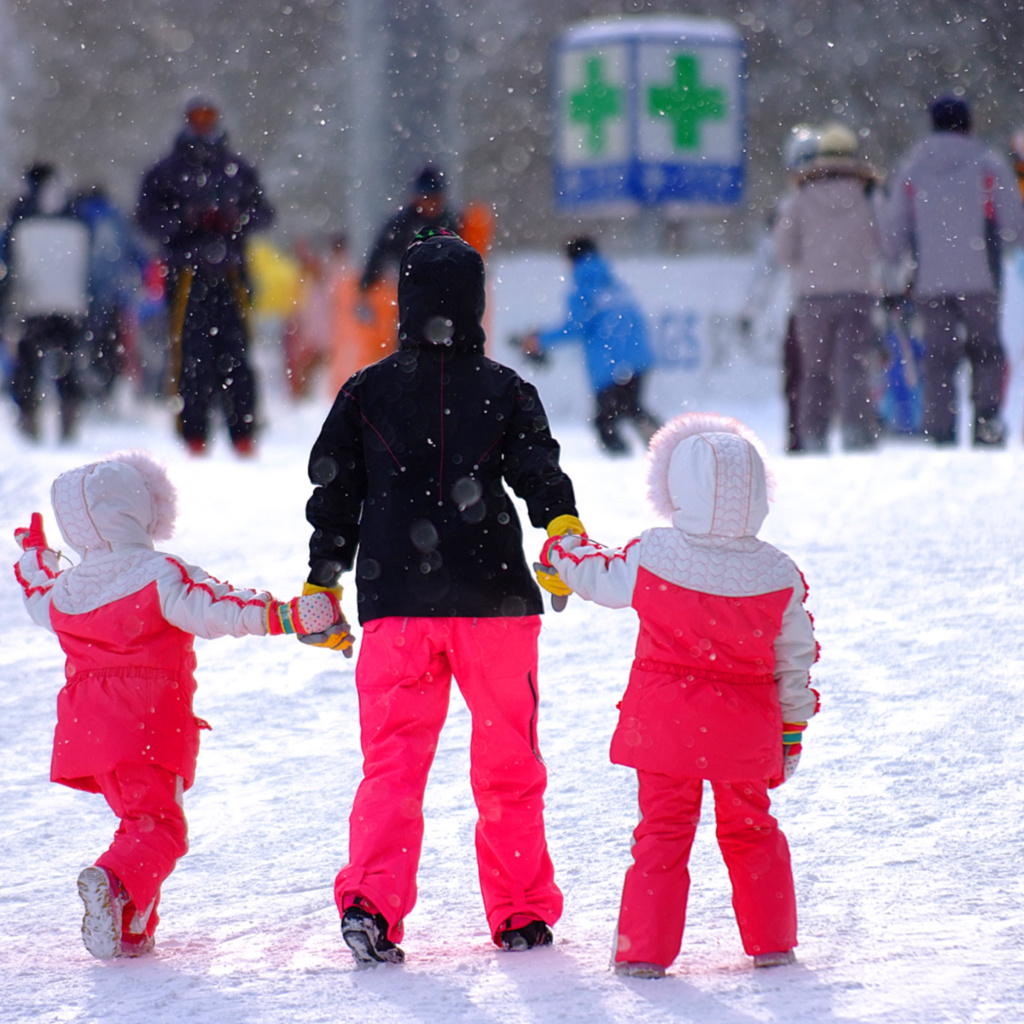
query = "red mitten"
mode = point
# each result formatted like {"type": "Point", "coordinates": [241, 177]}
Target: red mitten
{"type": "Point", "coordinates": [31, 536]}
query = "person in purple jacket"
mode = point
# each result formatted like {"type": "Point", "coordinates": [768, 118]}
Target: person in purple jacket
{"type": "Point", "coordinates": [952, 206]}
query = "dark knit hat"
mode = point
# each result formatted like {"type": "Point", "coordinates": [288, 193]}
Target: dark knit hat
{"type": "Point", "coordinates": [580, 246]}
{"type": "Point", "coordinates": [950, 114]}
{"type": "Point", "coordinates": [39, 172]}
{"type": "Point", "coordinates": [201, 102]}
{"type": "Point", "coordinates": [429, 181]}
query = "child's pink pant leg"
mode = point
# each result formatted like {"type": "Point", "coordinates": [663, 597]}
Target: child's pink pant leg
{"type": "Point", "coordinates": [404, 684]}
{"type": "Point", "coordinates": [152, 835]}
{"type": "Point", "coordinates": [652, 914]}
{"type": "Point", "coordinates": [757, 856]}
{"type": "Point", "coordinates": [495, 664]}
{"type": "Point", "coordinates": [653, 911]}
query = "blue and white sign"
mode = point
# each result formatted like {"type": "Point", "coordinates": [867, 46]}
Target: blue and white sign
{"type": "Point", "coordinates": [650, 112]}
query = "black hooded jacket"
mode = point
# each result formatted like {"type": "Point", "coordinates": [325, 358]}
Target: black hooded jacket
{"type": "Point", "coordinates": [200, 202]}
{"type": "Point", "coordinates": [411, 463]}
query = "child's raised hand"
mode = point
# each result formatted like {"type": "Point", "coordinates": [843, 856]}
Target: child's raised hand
{"type": "Point", "coordinates": [31, 536]}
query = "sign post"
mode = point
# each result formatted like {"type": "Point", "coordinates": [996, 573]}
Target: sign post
{"type": "Point", "coordinates": [650, 112]}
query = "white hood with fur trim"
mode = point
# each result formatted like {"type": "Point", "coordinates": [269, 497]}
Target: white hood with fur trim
{"type": "Point", "coordinates": [127, 499]}
{"type": "Point", "coordinates": [110, 512]}
{"type": "Point", "coordinates": [706, 475]}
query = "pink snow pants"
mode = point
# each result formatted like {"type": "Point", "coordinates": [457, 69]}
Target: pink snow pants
{"type": "Point", "coordinates": [404, 677]}
{"type": "Point", "coordinates": [653, 911]}
{"type": "Point", "coordinates": [152, 835]}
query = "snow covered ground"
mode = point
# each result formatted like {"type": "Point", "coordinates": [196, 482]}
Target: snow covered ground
{"type": "Point", "coordinates": [905, 818]}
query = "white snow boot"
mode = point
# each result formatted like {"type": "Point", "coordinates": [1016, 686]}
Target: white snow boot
{"type": "Point", "coordinates": [101, 925]}
{"type": "Point", "coordinates": [774, 959]}
{"type": "Point", "coordinates": [626, 969]}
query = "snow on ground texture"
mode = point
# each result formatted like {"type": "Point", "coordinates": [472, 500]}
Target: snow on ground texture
{"type": "Point", "coordinates": [904, 818]}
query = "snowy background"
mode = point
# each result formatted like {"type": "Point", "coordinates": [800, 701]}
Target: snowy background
{"type": "Point", "coordinates": [905, 818]}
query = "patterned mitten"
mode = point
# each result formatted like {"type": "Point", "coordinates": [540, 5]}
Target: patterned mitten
{"type": "Point", "coordinates": [338, 635]}
{"type": "Point", "coordinates": [305, 615]}
{"type": "Point", "coordinates": [792, 734]}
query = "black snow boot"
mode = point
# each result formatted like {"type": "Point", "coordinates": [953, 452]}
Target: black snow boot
{"type": "Point", "coordinates": [516, 940]}
{"type": "Point", "coordinates": [366, 935]}
{"type": "Point", "coordinates": [989, 431]}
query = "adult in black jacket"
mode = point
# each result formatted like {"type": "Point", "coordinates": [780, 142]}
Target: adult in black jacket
{"type": "Point", "coordinates": [427, 208]}
{"type": "Point", "coordinates": [199, 203]}
{"type": "Point", "coordinates": [410, 471]}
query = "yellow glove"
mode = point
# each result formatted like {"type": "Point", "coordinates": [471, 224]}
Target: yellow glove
{"type": "Point", "coordinates": [565, 524]}
{"type": "Point", "coordinates": [549, 580]}
{"type": "Point", "coordinates": [337, 637]}
{"type": "Point", "coordinates": [547, 575]}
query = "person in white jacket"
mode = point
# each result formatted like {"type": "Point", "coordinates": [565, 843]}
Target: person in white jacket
{"type": "Point", "coordinates": [719, 688]}
{"type": "Point", "coordinates": [126, 616]}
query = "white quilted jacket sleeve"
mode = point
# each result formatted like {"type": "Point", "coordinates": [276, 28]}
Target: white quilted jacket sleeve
{"type": "Point", "coordinates": [796, 650]}
{"type": "Point", "coordinates": [606, 576]}
{"type": "Point", "coordinates": [36, 571]}
{"type": "Point", "coordinates": [197, 603]}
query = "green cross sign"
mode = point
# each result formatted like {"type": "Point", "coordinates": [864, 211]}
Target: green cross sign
{"type": "Point", "coordinates": [650, 113]}
{"type": "Point", "coordinates": [686, 103]}
{"type": "Point", "coordinates": [594, 104]}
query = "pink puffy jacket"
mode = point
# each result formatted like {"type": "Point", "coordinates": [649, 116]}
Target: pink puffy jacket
{"type": "Point", "coordinates": [125, 617]}
{"type": "Point", "coordinates": [725, 644]}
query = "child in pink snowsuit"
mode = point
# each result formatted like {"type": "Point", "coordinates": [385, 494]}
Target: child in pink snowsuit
{"type": "Point", "coordinates": [719, 687]}
{"type": "Point", "coordinates": [125, 617]}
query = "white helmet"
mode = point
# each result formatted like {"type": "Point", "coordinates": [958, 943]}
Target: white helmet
{"type": "Point", "coordinates": [837, 139]}
{"type": "Point", "coordinates": [801, 146]}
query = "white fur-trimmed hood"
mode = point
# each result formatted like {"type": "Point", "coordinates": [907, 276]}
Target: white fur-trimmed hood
{"type": "Point", "coordinates": [707, 476]}
{"type": "Point", "coordinates": [126, 498]}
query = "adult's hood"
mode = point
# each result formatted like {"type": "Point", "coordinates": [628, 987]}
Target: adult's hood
{"type": "Point", "coordinates": [126, 499]}
{"type": "Point", "coordinates": [441, 294]}
{"type": "Point", "coordinates": [706, 475]}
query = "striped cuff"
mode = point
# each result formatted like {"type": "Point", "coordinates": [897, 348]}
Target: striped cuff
{"type": "Point", "coordinates": [279, 618]}
{"type": "Point", "coordinates": [792, 733]}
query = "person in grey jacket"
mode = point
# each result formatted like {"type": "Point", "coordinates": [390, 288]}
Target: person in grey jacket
{"type": "Point", "coordinates": [826, 233]}
{"type": "Point", "coordinates": [953, 204]}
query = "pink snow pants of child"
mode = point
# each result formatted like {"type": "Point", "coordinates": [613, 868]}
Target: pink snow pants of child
{"type": "Point", "coordinates": [152, 834]}
{"type": "Point", "coordinates": [404, 677]}
{"type": "Point", "coordinates": [653, 911]}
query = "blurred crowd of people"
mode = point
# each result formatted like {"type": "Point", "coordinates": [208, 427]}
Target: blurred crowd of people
{"type": "Point", "coordinates": [903, 275]}
{"type": "Point", "coordinates": [158, 301]}
{"type": "Point", "coordinates": [894, 284]}
{"type": "Point", "coordinates": [91, 295]}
